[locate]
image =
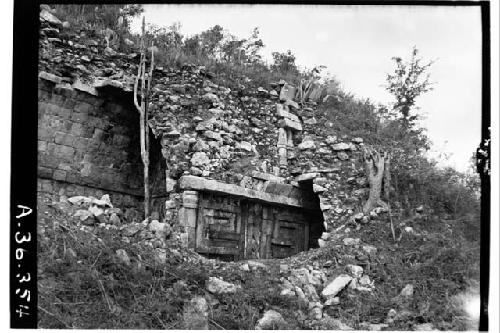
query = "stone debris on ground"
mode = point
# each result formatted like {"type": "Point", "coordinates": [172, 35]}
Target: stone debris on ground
{"type": "Point", "coordinates": [271, 320]}
{"type": "Point", "coordinates": [218, 286]}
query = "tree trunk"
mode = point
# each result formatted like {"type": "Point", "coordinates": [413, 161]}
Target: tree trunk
{"type": "Point", "coordinates": [144, 133]}
{"type": "Point", "coordinates": [374, 168]}
{"type": "Point", "coordinates": [387, 178]}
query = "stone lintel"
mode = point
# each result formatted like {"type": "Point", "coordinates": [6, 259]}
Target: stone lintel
{"type": "Point", "coordinates": [288, 123]}
{"type": "Point", "coordinates": [306, 176]}
{"type": "Point", "coordinates": [282, 112]}
{"type": "Point", "coordinates": [50, 77]}
{"type": "Point", "coordinates": [78, 85]}
{"type": "Point", "coordinates": [202, 184]}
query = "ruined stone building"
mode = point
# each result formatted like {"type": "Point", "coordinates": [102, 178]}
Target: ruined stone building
{"type": "Point", "coordinates": [240, 171]}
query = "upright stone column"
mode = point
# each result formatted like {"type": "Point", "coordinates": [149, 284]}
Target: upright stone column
{"type": "Point", "coordinates": [282, 147]}
{"type": "Point", "coordinates": [187, 217]}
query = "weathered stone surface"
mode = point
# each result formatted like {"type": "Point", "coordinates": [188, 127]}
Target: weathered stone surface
{"type": "Point", "coordinates": [307, 144]}
{"type": "Point", "coordinates": [78, 85]}
{"type": "Point", "coordinates": [354, 270]}
{"type": "Point", "coordinates": [292, 103]}
{"type": "Point", "coordinates": [246, 146]}
{"type": "Point", "coordinates": [334, 287]}
{"type": "Point", "coordinates": [287, 92]}
{"type": "Point", "coordinates": [122, 256]}
{"type": "Point", "coordinates": [271, 320]}
{"type": "Point", "coordinates": [282, 112]}
{"type": "Point", "coordinates": [306, 176]}
{"type": "Point", "coordinates": [219, 286]}
{"type": "Point", "coordinates": [201, 184]}
{"type": "Point", "coordinates": [200, 159]}
{"type": "Point", "coordinates": [50, 18]}
{"type": "Point", "coordinates": [50, 77]}
{"type": "Point", "coordinates": [288, 123]}
{"type": "Point", "coordinates": [407, 291]}
{"type": "Point", "coordinates": [332, 301]}
{"type": "Point", "coordinates": [341, 146]}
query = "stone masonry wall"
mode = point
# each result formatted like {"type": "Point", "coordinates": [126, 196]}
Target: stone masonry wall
{"type": "Point", "coordinates": [88, 141]}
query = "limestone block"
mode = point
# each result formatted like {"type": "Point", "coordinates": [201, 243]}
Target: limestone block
{"type": "Point", "coordinates": [288, 123]}
{"type": "Point", "coordinates": [282, 137]}
{"type": "Point", "coordinates": [287, 92]}
{"type": "Point", "coordinates": [190, 198]}
{"type": "Point", "coordinates": [282, 153]}
{"type": "Point", "coordinates": [306, 176]}
{"type": "Point", "coordinates": [282, 112]}
{"type": "Point", "coordinates": [334, 287]}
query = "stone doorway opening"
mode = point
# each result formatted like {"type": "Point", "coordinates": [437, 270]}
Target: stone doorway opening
{"type": "Point", "coordinates": [231, 222]}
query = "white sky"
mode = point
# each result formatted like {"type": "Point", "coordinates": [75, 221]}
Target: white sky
{"type": "Point", "coordinates": [356, 43]}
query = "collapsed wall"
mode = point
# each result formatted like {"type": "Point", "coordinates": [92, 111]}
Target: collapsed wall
{"type": "Point", "coordinates": [233, 133]}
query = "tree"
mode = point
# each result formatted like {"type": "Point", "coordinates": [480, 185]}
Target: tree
{"type": "Point", "coordinates": [284, 62]}
{"type": "Point", "coordinates": [409, 80]}
{"type": "Point", "coordinates": [375, 164]}
{"type": "Point", "coordinates": [142, 108]}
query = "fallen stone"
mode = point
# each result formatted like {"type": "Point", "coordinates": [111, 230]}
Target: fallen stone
{"type": "Point", "coordinates": [78, 200]}
{"type": "Point", "coordinates": [316, 313]}
{"type": "Point", "coordinates": [122, 256]}
{"type": "Point", "coordinates": [256, 265]}
{"type": "Point", "coordinates": [354, 270]}
{"type": "Point", "coordinates": [337, 285]}
{"type": "Point", "coordinates": [49, 18]}
{"type": "Point", "coordinates": [219, 286]}
{"type": "Point", "coordinates": [96, 211]}
{"type": "Point", "coordinates": [271, 320]}
{"type": "Point", "coordinates": [365, 281]}
{"type": "Point", "coordinates": [407, 291]}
